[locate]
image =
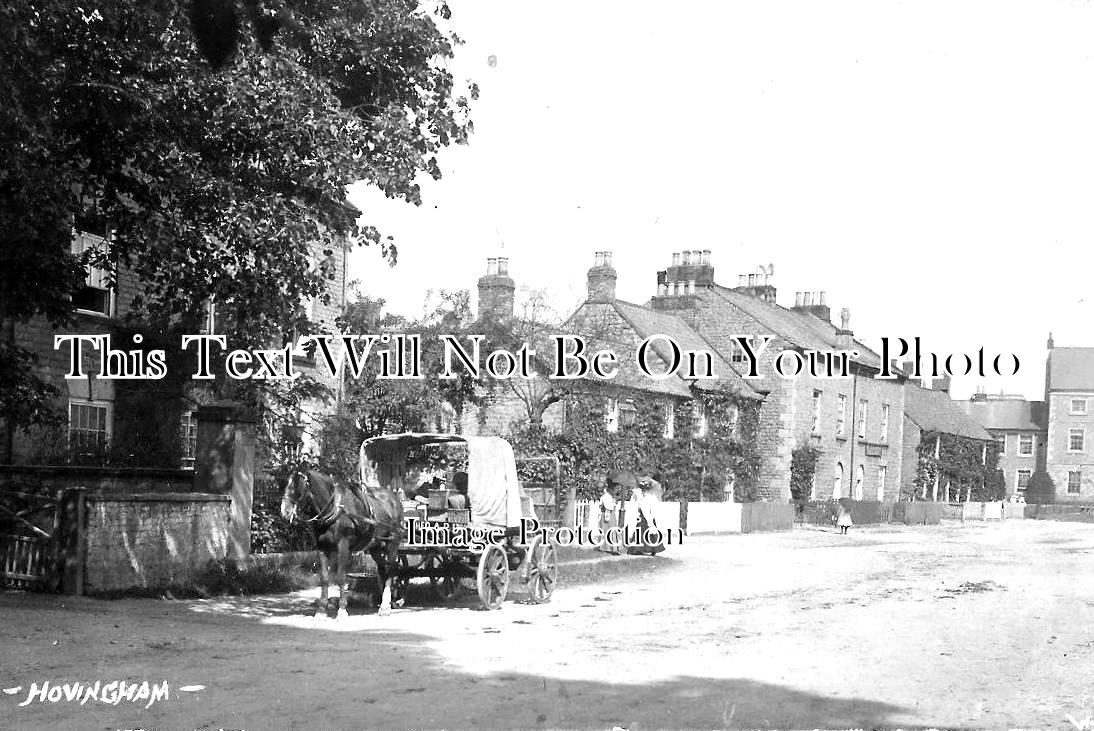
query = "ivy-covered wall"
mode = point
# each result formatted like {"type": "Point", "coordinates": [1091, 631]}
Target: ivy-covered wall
{"type": "Point", "coordinates": [689, 467]}
{"type": "Point", "coordinates": [961, 463]}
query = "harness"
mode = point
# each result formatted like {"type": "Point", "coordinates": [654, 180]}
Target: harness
{"type": "Point", "coordinates": [334, 509]}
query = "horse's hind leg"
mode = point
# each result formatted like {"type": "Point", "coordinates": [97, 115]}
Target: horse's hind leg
{"type": "Point", "coordinates": [386, 559]}
{"type": "Point", "coordinates": [343, 584]}
{"type": "Point", "coordinates": [324, 580]}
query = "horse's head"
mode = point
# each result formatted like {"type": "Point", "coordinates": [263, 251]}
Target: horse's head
{"type": "Point", "coordinates": [294, 492]}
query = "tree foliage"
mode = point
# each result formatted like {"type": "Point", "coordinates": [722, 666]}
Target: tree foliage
{"type": "Point", "coordinates": [225, 184]}
{"type": "Point", "coordinates": [803, 469]}
{"type": "Point", "coordinates": [1041, 489]}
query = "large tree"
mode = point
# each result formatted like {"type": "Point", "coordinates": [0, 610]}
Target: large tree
{"type": "Point", "coordinates": [218, 172]}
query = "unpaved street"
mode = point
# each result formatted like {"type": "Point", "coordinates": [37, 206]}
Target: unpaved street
{"type": "Point", "coordinates": [979, 625]}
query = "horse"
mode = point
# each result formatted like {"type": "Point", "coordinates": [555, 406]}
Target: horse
{"type": "Point", "coordinates": [344, 519]}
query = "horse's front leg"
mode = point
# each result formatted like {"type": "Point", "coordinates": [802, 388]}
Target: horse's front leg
{"type": "Point", "coordinates": [324, 580]}
{"type": "Point", "coordinates": [343, 584]}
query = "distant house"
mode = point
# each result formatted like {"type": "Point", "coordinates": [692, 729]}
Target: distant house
{"type": "Point", "coordinates": [1069, 393]}
{"type": "Point", "coordinates": [103, 413]}
{"type": "Point", "coordinates": [854, 421]}
{"type": "Point", "coordinates": [930, 418]}
{"type": "Point", "coordinates": [1020, 430]}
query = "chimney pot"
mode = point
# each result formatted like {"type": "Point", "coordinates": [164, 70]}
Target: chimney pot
{"type": "Point", "coordinates": [676, 259]}
{"type": "Point", "coordinates": [662, 289]}
{"type": "Point", "coordinates": [503, 265]}
{"type": "Point", "coordinates": [798, 299]}
{"type": "Point", "coordinates": [824, 298]}
{"type": "Point", "coordinates": [687, 258]}
{"type": "Point", "coordinates": [706, 256]}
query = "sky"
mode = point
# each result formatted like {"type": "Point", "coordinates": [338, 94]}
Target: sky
{"type": "Point", "coordinates": [930, 165]}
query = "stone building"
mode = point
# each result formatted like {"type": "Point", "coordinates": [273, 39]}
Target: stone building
{"type": "Point", "coordinates": [1069, 394]}
{"type": "Point", "coordinates": [96, 407]}
{"type": "Point", "coordinates": [854, 421]}
{"type": "Point", "coordinates": [1020, 430]}
{"type": "Point", "coordinates": [606, 322]}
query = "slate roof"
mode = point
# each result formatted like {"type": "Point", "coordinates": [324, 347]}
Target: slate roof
{"type": "Point", "coordinates": [936, 411]}
{"type": "Point", "coordinates": [1071, 369]}
{"type": "Point", "coordinates": [1008, 414]}
{"type": "Point", "coordinates": [646, 322]}
{"type": "Point", "coordinates": [802, 329]}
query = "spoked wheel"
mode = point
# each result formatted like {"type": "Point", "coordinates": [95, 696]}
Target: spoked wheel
{"type": "Point", "coordinates": [493, 576]}
{"type": "Point", "coordinates": [542, 570]}
{"type": "Point", "coordinates": [446, 587]}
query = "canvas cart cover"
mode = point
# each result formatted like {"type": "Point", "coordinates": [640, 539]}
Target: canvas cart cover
{"type": "Point", "coordinates": [492, 486]}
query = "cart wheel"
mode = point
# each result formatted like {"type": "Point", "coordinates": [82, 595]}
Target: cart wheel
{"type": "Point", "coordinates": [444, 588]}
{"type": "Point", "coordinates": [493, 577]}
{"type": "Point", "coordinates": [542, 570]}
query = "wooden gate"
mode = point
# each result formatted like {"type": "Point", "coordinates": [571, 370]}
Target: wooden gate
{"type": "Point", "coordinates": [28, 524]}
{"type": "Point", "coordinates": [540, 477]}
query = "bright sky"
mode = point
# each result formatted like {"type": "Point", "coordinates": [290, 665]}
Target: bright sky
{"type": "Point", "coordinates": [929, 164]}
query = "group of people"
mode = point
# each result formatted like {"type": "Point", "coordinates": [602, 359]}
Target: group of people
{"type": "Point", "coordinates": [638, 524]}
{"type": "Point", "coordinates": [457, 490]}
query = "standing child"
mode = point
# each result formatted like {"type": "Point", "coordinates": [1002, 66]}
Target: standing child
{"type": "Point", "coordinates": [844, 521]}
{"type": "Point", "coordinates": [607, 518]}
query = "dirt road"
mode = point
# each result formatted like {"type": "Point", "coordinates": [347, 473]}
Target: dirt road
{"type": "Point", "coordinates": [983, 625]}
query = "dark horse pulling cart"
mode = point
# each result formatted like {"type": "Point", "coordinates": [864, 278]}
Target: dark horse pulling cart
{"type": "Point", "coordinates": [494, 504]}
{"type": "Point", "coordinates": [345, 519]}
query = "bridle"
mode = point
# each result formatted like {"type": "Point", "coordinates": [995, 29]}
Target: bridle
{"type": "Point", "coordinates": [334, 507]}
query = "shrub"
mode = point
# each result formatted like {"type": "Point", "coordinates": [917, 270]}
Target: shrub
{"type": "Point", "coordinates": [271, 533]}
{"type": "Point", "coordinates": [1041, 489]}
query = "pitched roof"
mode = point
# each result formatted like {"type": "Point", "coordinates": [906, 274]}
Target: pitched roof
{"type": "Point", "coordinates": [1071, 369]}
{"type": "Point", "coordinates": [936, 411]}
{"type": "Point", "coordinates": [645, 323]}
{"type": "Point", "coordinates": [802, 329]}
{"type": "Point", "coordinates": [648, 322]}
{"type": "Point", "coordinates": [1011, 414]}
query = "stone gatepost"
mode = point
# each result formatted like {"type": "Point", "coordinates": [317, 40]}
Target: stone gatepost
{"type": "Point", "coordinates": [224, 464]}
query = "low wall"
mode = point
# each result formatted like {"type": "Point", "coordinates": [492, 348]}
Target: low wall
{"type": "Point", "coordinates": [711, 518]}
{"type": "Point", "coordinates": [1069, 512]}
{"type": "Point", "coordinates": [151, 540]}
{"type": "Point", "coordinates": [50, 479]}
{"type": "Point", "coordinates": [757, 517]}
{"type": "Point", "coordinates": [871, 512]}
{"type": "Point", "coordinates": [996, 510]}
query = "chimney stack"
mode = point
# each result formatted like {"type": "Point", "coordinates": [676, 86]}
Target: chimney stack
{"type": "Point", "coordinates": [690, 272]}
{"type": "Point", "coordinates": [758, 284]}
{"type": "Point", "coordinates": [813, 303]}
{"type": "Point", "coordinates": [601, 279]}
{"type": "Point", "coordinates": [496, 290]}
{"type": "Point", "coordinates": [844, 335]}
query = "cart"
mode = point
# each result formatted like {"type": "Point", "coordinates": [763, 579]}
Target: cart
{"type": "Point", "coordinates": [495, 504]}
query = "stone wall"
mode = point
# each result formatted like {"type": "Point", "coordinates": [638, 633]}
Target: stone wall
{"type": "Point", "coordinates": [49, 479]}
{"type": "Point", "coordinates": [152, 540]}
